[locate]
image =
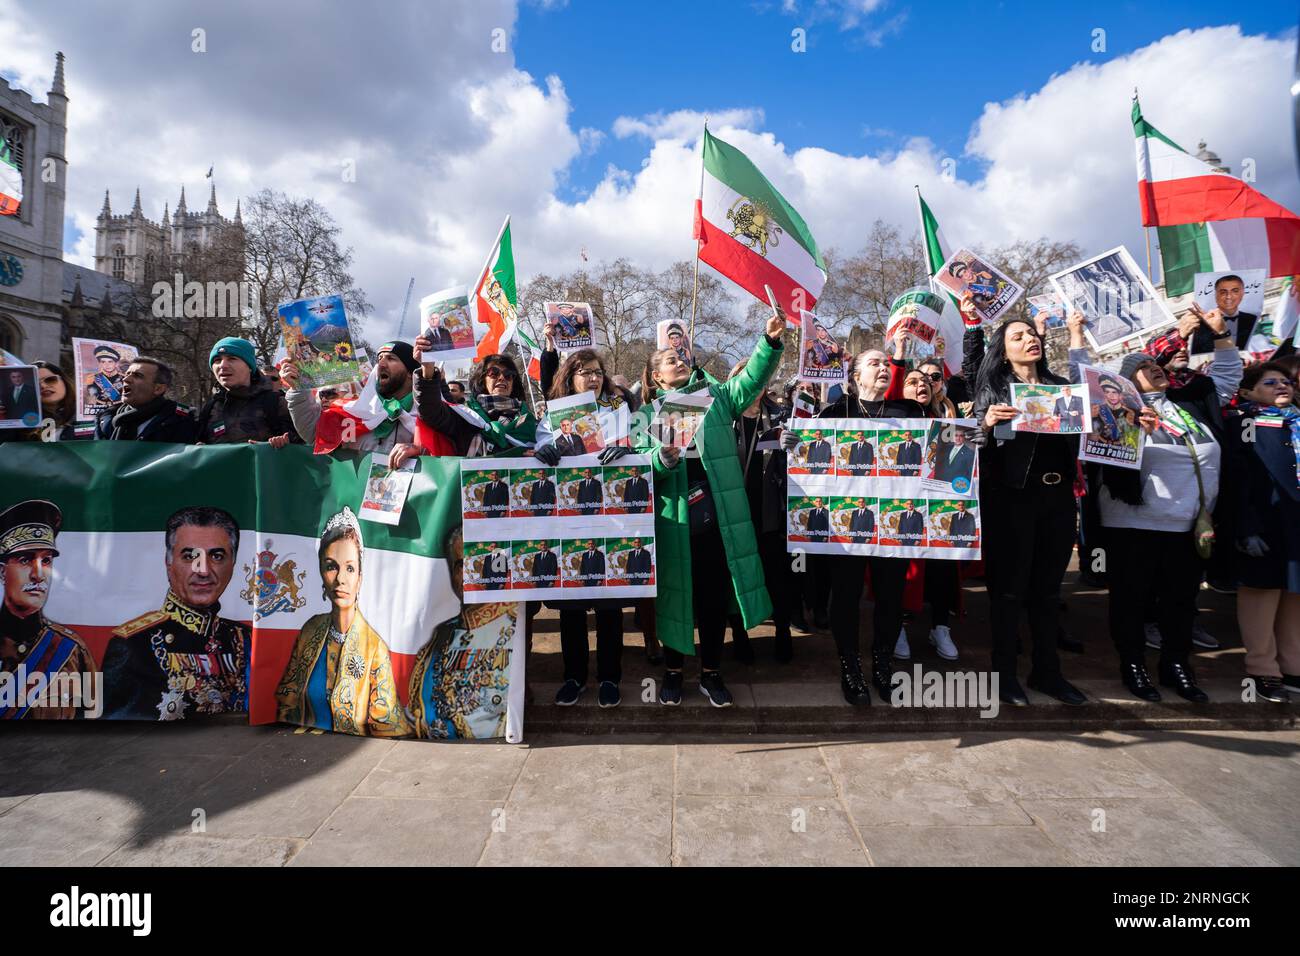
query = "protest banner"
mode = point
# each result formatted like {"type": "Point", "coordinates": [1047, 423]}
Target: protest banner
{"type": "Point", "coordinates": [572, 324]}
{"type": "Point", "coordinates": [821, 358]}
{"type": "Point", "coordinates": [99, 367]}
{"type": "Point", "coordinates": [893, 508]}
{"type": "Point", "coordinates": [584, 528]}
{"type": "Point", "coordinates": [917, 312]}
{"type": "Point", "coordinates": [965, 271]}
{"type": "Point", "coordinates": [315, 337]}
{"type": "Point", "coordinates": [1116, 436]}
{"type": "Point", "coordinates": [446, 322]}
{"type": "Point", "coordinates": [678, 415]}
{"type": "Point", "coordinates": [1051, 409]}
{"type": "Point", "coordinates": [672, 334]}
{"type": "Point", "coordinates": [285, 564]}
{"type": "Point", "coordinates": [574, 422]}
{"type": "Point", "coordinates": [1116, 298]}
{"type": "Point", "coordinates": [20, 397]}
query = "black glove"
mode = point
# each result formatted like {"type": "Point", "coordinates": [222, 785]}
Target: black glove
{"type": "Point", "coordinates": [612, 453]}
{"type": "Point", "coordinates": [547, 454]}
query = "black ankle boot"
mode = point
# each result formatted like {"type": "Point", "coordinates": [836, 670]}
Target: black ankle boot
{"type": "Point", "coordinates": [882, 674]}
{"type": "Point", "coordinates": [783, 646]}
{"type": "Point", "coordinates": [1138, 682]}
{"type": "Point", "coordinates": [1181, 678]}
{"type": "Point", "coordinates": [852, 682]}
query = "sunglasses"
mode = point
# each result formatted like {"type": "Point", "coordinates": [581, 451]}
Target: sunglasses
{"type": "Point", "coordinates": [497, 372]}
{"type": "Point", "coordinates": [934, 376]}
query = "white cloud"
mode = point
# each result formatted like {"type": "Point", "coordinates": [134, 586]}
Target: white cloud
{"type": "Point", "coordinates": [684, 124]}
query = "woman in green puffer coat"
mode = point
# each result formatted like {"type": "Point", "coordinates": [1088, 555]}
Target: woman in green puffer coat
{"type": "Point", "coordinates": [703, 562]}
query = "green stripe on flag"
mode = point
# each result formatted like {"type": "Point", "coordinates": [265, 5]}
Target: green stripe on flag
{"type": "Point", "coordinates": [934, 255]}
{"type": "Point", "coordinates": [1184, 251]}
{"type": "Point", "coordinates": [1142, 128]}
{"type": "Point", "coordinates": [729, 165]}
{"type": "Point", "coordinates": [503, 270]}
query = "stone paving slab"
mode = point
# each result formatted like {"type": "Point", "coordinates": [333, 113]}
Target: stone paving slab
{"type": "Point", "coordinates": [991, 797]}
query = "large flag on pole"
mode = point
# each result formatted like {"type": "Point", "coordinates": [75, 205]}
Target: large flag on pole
{"type": "Point", "coordinates": [11, 181]}
{"type": "Point", "coordinates": [534, 355]}
{"type": "Point", "coordinates": [1208, 220]}
{"type": "Point", "coordinates": [749, 233]}
{"type": "Point", "coordinates": [951, 327]}
{"type": "Point", "coordinates": [494, 297]}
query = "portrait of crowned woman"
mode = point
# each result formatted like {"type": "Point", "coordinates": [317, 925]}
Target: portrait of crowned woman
{"type": "Point", "coordinates": [339, 676]}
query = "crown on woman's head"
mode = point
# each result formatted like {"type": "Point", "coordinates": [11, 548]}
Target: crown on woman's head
{"type": "Point", "coordinates": [344, 519]}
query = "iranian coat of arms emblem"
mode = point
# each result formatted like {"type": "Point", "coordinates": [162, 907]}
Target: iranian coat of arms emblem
{"type": "Point", "coordinates": [272, 585]}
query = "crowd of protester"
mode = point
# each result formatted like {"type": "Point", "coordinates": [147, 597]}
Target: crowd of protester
{"type": "Point", "coordinates": [1217, 497]}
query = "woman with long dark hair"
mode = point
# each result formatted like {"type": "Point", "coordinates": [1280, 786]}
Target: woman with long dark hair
{"type": "Point", "coordinates": [707, 552]}
{"type": "Point", "coordinates": [58, 404]}
{"type": "Point", "coordinates": [1028, 511]}
{"type": "Point", "coordinates": [583, 371]}
{"type": "Point", "coordinates": [495, 417]}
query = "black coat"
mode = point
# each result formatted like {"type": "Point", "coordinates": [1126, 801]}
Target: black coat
{"type": "Point", "coordinates": [546, 565]}
{"type": "Point", "coordinates": [638, 565]}
{"type": "Point", "coordinates": [255, 412]}
{"type": "Point", "coordinates": [1203, 337]}
{"type": "Point", "coordinates": [1265, 499]}
{"type": "Point", "coordinates": [542, 492]}
{"type": "Point", "coordinates": [496, 496]}
{"type": "Point", "coordinates": [1006, 461]}
{"type": "Point", "coordinates": [569, 445]}
{"type": "Point", "coordinates": [166, 422]}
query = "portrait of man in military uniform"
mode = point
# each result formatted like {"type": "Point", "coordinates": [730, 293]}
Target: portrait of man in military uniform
{"type": "Point", "coordinates": [103, 387]}
{"type": "Point", "coordinates": [30, 643]}
{"type": "Point", "coordinates": [183, 659]}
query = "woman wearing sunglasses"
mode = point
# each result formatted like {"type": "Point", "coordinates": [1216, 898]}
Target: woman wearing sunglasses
{"type": "Point", "coordinates": [58, 404]}
{"type": "Point", "coordinates": [1264, 441]}
{"type": "Point", "coordinates": [495, 418]}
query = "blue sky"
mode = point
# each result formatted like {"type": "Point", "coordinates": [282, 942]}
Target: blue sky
{"type": "Point", "coordinates": [926, 77]}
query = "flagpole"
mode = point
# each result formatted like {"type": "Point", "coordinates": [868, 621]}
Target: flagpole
{"type": "Point", "coordinates": [1146, 230]}
{"type": "Point", "coordinates": [920, 215]}
{"type": "Point", "coordinates": [695, 288]}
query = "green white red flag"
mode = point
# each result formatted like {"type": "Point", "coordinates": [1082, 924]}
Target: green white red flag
{"type": "Point", "coordinates": [534, 355]}
{"type": "Point", "coordinates": [1208, 220]}
{"type": "Point", "coordinates": [11, 181]}
{"type": "Point", "coordinates": [949, 344]}
{"type": "Point", "coordinates": [749, 232]}
{"type": "Point", "coordinates": [494, 298]}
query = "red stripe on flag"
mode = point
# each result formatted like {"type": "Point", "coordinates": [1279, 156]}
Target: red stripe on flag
{"type": "Point", "coordinates": [1283, 246]}
{"type": "Point", "coordinates": [1178, 202]}
{"type": "Point", "coordinates": [751, 271]}
{"type": "Point", "coordinates": [697, 226]}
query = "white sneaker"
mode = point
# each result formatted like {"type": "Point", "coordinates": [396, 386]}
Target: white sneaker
{"type": "Point", "coordinates": [903, 650]}
{"type": "Point", "coordinates": [941, 638]}
{"type": "Point", "coordinates": [1154, 637]}
{"type": "Point", "coordinates": [1203, 638]}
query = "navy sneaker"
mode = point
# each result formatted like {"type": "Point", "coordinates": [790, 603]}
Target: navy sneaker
{"type": "Point", "coordinates": [711, 686]}
{"type": "Point", "coordinates": [569, 693]}
{"type": "Point", "coordinates": [670, 689]}
{"type": "Point", "coordinates": [607, 694]}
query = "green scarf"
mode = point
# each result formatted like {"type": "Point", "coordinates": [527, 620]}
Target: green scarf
{"type": "Point", "coordinates": [394, 407]}
{"type": "Point", "coordinates": [522, 428]}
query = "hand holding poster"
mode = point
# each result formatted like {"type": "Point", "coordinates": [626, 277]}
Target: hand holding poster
{"type": "Point", "coordinates": [1115, 297]}
{"type": "Point", "coordinates": [99, 368]}
{"type": "Point", "coordinates": [1048, 306]}
{"type": "Point", "coordinates": [917, 312]}
{"type": "Point", "coordinates": [572, 324]}
{"type": "Point", "coordinates": [575, 423]}
{"type": "Point", "coordinates": [1051, 409]}
{"type": "Point", "coordinates": [671, 334]}
{"type": "Point", "coordinates": [1116, 437]}
{"type": "Point", "coordinates": [993, 292]}
{"type": "Point", "coordinates": [20, 397]}
{"type": "Point", "coordinates": [895, 488]}
{"type": "Point", "coordinates": [584, 528]}
{"type": "Point", "coordinates": [821, 358]}
{"type": "Point", "coordinates": [315, 336]}
{"type": "Point", "coordinates": [445, 321]}
{"type": "Point", "coordinates": [677, 416]}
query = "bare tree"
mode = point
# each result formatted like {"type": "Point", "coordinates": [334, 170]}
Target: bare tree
{"type": "Point", "coordinates": [862, 286]}
{"type": "Point", "coordinates": [292, 251]}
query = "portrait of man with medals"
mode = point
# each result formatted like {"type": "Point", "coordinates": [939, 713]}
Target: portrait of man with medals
{"type": "Point", "coordinates": [183, 659]}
